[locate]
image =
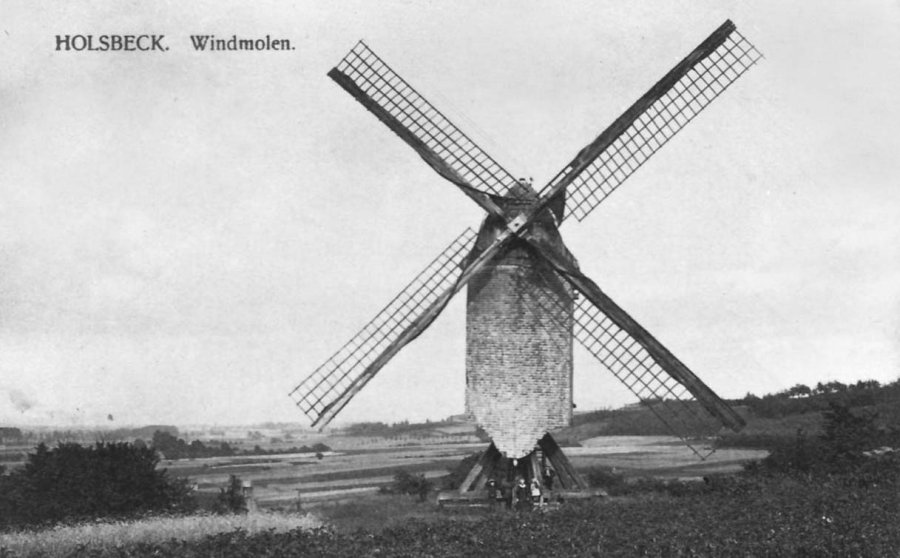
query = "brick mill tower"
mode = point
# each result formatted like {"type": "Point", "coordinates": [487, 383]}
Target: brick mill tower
{"type": "Point", "coordinates": [522, 309]}
{"type": "Point", "coordinates": [519, 317]}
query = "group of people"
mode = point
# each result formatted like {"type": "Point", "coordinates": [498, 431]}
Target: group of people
{"type": "Point", "coordinates": [521, 496]}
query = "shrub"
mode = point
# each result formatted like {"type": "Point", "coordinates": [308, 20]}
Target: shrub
{"type": "Point", "coordinates": [231, 499]}
{"type": "Point", "coordinates": [408, 483]}
{"type": "Point", "coordinates": [605, 478]}
{"type": "Point", "coordinates": [842, 450]}
{"type": "Point", "coordinates": [74, 482]}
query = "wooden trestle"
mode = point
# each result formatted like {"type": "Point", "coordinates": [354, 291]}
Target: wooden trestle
{"type": "Point", "coordinates": [504, 471]}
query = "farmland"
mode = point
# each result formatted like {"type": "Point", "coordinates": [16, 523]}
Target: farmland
{"type": "Point", "coordinates": [823, 481]}
{"type": "Point", "coordinates": [286, 480]}
{"type": "Point", "coordinates": [341, 488]}
{"type": "Point", "coordinates": [343, 515]}
{"type": "Point", "coordinates": [298, 481]}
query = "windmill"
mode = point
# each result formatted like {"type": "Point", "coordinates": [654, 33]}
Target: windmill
{"type": "Point", "coordinates": [527, 299]}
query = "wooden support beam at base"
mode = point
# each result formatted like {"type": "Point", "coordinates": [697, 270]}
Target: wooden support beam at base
{"type": "Point", "coordinates": [493, 465]}
{"type": "Point", "coordinates": [567, 477]}
{"type": "Point", "coordinates": [482, 471]}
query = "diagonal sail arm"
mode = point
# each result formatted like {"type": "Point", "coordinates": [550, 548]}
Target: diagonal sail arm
{"type": "Point", "coordinates": [319, 394]}
{"type": "Point", "coordinates": [446, 149]}
{"type": "Point", "coordinates": [643, 352]}
{"type": "Point", "coordinates": [325, 392]}
{"type": "Point", "coordinates": [602, 165]}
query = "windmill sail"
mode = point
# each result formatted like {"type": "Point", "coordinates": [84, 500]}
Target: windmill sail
{"type": "Point", "coordinates": [601, 166]}
{"type": "Point", "coordinates": [650, 379]}
{"type": "Point", "coordinates": [423, 127]}
{"type": "Point", "coordinates": [633, 355]}
{"type": "Point", "coordinates": [325, 392]}
{"type": "Point", "coordinates": [626, 359]}
{"type": "Point", "coordinates": [652, 372]}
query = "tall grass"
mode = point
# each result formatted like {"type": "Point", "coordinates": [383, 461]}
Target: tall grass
{"type": "Point", "coordinates": [63, 540]}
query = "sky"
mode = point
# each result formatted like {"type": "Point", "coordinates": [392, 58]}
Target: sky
{"type": "Point", "coordinates": [184, 236]}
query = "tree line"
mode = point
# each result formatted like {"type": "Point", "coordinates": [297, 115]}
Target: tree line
{"type": "Point", "coordinates": [800, 398]}
{"type": "Point", "coordinates": [172, 447]}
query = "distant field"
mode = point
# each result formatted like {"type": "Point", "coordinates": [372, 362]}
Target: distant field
{"type": "Point", "coordinates": [286, 481]}
{"type": "Point", "coordinates": [362, 464]}
{"type": "Point", "coordinates": [279, 480]}
{"type": "Point", "coordinates": [14, 455]}
{"type": "Point", "coordinates": [658, 456]}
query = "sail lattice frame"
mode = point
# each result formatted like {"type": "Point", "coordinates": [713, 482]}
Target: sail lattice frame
{"type": "Point", "coordinates": [426, 123]}
{"type": "Point", "coordinates": [338, 374]}
{"type": "Point", "coordinates": [634, 367]}
{"type": "Point", "coordinates": [597, 170]}
{"type": "Point", "coordinates": [672, 403]}
{"type": "Point", "coordinates": [658, 123]}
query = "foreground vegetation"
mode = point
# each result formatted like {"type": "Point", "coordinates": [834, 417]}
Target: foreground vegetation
{"type": "Point", "coordinates": [836, 493]}
{"type": "Point", "coordinates": [72, 482]}
{"type": "Point", "coordinates": [112, 538]}
{"type": "Point", "coordinates": [777, 517]}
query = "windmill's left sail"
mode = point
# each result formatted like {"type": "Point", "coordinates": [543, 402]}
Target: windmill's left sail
{"type": "Point", "coordinates": [325, 391]}
{"type": "Point", "coordinates": [422, 126]}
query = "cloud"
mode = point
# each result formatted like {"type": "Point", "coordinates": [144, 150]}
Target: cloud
{"type": "Point", "coordinates": [21, 402]}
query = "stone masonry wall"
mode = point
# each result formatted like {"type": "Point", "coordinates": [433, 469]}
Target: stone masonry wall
{"type": "Point", "coordinates": [519, 351]}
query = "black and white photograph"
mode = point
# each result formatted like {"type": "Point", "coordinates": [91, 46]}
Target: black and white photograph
{"type": "Point", "coordinates": [425, 279]}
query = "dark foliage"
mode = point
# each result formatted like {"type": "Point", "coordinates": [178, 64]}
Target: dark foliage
{"type": "Point", "coordinates": [74, 482]}
{"type": "Point", "coordinates": [138, 433]}
{"type": "Point", "coordinates": [801, 399]}
{"type": "Point", "coordinates": [403, 428]}
{"type": "Point", "coordinates": [852, 445]}
{"type": "Point", "coordinates": [231, 499]}
{"type": "Point", "coordinates": [176, 448]}
{"type": "Point", "coordinates": [409, 483]}
{"type": "Point", "coordinates": [605, 478]}
{"type": "Point", "coordinates": [173, 447]}
{"type": "Point", "coordinates": [10, 434]}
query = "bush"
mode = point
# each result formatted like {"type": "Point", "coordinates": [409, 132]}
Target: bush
{"type": "Point", "coordinates": [231, 499]}
{"type": "Point", "coordinates": [74, 482]}
{"type": "Point", "coordinates": [605, 478]}
{"type": "Point", "coordinates": [408, 483]}
{"type": "Point", "coordinates": [844, 449]}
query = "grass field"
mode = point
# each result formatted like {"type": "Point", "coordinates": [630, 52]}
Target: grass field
{"type": "Point", "coordinates": [766, 517]}
{"type": "Point", "coordinates": [65, 540]}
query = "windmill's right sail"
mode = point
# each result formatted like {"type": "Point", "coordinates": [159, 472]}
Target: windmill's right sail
{"type": "Point", "coordinates": [661, 381]}
{"type": "Point", "coordinates": [601, 166]}
{"type": "Point", "coordinates": [686, 410]}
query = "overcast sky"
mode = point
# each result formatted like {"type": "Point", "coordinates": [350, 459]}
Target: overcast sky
{"type": "Point", "coordinates": [184, 236]}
